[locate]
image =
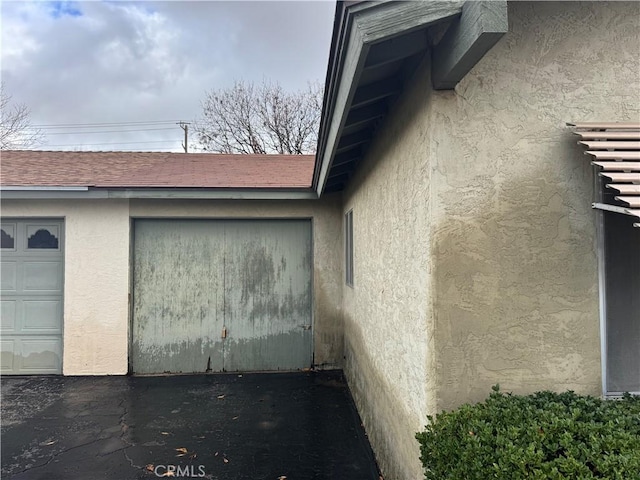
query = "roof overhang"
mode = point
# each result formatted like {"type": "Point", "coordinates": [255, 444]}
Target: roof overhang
{"type": "Point", "coordinates": [51, 193]}
{"type": "Point", "coordinates": [376, 46]}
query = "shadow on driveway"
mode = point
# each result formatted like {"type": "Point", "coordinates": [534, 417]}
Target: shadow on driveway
{"type": "Point", "coordinates": [293, 426]}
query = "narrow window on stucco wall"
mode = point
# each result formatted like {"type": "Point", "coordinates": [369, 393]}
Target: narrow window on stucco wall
{"type": "Point", "coordinates": [348, 247]}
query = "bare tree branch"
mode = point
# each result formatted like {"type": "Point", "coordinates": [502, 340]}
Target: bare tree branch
{"type": "Point", "coordinates": [16, 131]}
{"type": "Point", "coordinates": [264, 119]}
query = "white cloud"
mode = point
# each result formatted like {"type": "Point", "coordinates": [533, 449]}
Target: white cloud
{"type": "Point", "coordinates": [139, 61]}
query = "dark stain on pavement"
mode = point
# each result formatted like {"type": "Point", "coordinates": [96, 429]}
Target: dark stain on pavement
{"type": "Point", "coordinates": [272, 426]}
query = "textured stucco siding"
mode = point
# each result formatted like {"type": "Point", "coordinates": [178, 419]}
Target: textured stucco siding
{"type": "Point", "coordinates": [96, 280]}
{"type": "Point", "coordinates": [387, 314]}
{"type": "Point", "coordinates": [515, 281]}
{"type": "Point", "coordinates": [474, 237]}
{"type": "Point", "coordinates": [327, 245]}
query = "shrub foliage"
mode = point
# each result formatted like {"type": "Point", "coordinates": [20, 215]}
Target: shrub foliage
{"type": "Point", "coordinates": [541, 436]}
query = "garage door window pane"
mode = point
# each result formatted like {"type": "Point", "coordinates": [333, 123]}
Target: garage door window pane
{"type": "Point", "coordinates": [42, 237]}
{"type": "Point", "coordinates": [8, 236]}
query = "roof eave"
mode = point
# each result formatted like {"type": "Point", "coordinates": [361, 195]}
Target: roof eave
{"type": "Point", "coordinates": [363, 28]}
{"type": "Point", "coordinates": [51, 193]}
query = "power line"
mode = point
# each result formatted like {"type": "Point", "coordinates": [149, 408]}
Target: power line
{"type": "Point", "coordinates": [112, 131]}
{"type": "Point", "coordinates": [110, 143]}
{"type": "Point", "coordinates": [103, 124]}
{"type": "Point", "coordinates": [150, 149]}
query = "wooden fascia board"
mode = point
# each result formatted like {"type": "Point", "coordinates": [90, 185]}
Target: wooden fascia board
{"type": "Point", "coordinates": [343, 22]}
{"type": "Point", "coordinates": [390, 19]}
{"type": "Point", "coordinates": [222, 194]}
{"type": "Point", "coordinates": [369, 23]}
{"type": "Point", "coordinates": [467, 40]}
{"type": "Point", "coordinates": [166, 194]}
{"type": "Point", "coordinates": [352, 68]}
{"type": "Point", "coordinates": [50, 194]}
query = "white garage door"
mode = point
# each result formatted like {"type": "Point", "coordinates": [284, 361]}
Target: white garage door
{"type": "Point", "coordinates": [31, 296]}
{"type": "Point", "coordinates": [221, 295]}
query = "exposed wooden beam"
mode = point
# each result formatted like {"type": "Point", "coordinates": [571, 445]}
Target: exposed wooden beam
{"type": "Point", "coordinates": [376, 91]}
{"type": "Point", "coordinates": [365, 114]}
{"type": "Point", "coordinates": [345, 168]}
{"type": "Point", "coordinates": [396, 49]}
{"type": "Point", "coordinates": [333, 187]}
{"type": "Point", "coordinates": [467, 40]}
{"type": "Point", "coordinates": [350, 141]}
{"type": "Point", "coordinates": [353, 154]}
{"type": "Point", "coordinates": [340, 178]}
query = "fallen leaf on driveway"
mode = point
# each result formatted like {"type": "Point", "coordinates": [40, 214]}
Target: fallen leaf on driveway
{"type": "Point", "coordinates": [225, 460]}
{"type": "Point", "coordinates": [182, 450]}
{"type": "Point", "coordinates": [46, 444]}
{"type": "Point", "coordinates": [150, 467]}
{"type": "Point", "coordinates": [168, 473]}
{"type": "Point", "coordinates": [282, 477]}
{"type": "Point", "coordinates": [235, 418]}
{"type": "Point", "coordinates": [220, 396]}
{"type": "Point", "coordinates": [165, 433]}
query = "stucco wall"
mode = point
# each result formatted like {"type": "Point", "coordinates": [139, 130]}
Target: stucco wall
{"type": "Point", "coordinates": [515, 285]}
{"type": "Point", "coordinates": [96, 280]}
{"type": "Point", "coordinates": [475, 248]}
{"type": "Point", "coordinates": [97, 270]}
{"type": "Point", "coordinates": [388, 349]}
{"type": "Point", "coordinates": [327, 245]}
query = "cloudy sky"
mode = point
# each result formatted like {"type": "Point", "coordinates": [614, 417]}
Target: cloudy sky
{"type": "Point", "coordinates": [101, 62]}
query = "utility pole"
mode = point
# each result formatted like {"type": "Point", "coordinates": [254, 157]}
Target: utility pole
{"type": "Point", "coordinates": [185, 126]}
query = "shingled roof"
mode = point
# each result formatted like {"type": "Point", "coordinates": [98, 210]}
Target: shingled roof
{"type": "Point", "coordinates": [24, 168]}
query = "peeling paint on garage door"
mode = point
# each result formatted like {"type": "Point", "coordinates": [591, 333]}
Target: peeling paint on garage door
{"type": "Point", "coordinates": [31, 296]}
{"type": "Point", "coordinates": [221, 295]}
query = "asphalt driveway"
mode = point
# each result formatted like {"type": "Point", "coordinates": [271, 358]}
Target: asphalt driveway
{"type": "Point", "coordinates": [293, 426]}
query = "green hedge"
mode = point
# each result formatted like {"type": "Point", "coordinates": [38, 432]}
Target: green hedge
{"type": "Point", "coordinates": [541, 436]}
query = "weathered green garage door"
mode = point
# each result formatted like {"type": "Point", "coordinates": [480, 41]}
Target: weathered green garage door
{"type": "Point", "coordinates": [221, 295]}
{"type": "Point", "coordinates": [31, 296]}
